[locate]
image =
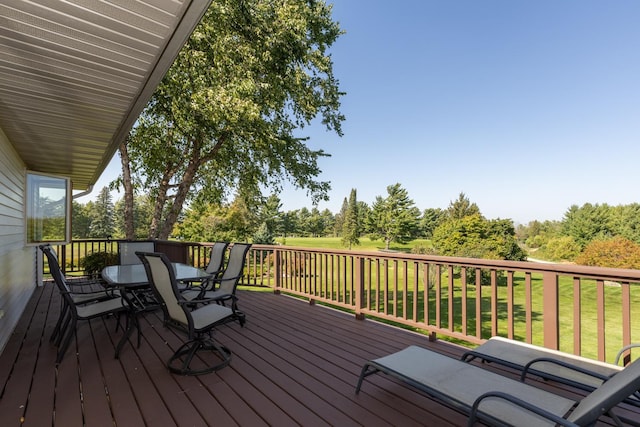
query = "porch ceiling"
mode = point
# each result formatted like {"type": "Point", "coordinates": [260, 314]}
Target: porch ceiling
{"type": "Point", "coordinates": [74, 75]}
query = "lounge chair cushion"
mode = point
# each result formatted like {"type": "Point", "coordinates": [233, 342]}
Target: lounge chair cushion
{"type": "Point", "coordinates": [517, 355]}
{"type": "Point", "coordinates": [459, 384]}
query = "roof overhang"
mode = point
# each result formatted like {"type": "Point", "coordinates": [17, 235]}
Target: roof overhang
{"type": "Point", "coordinates": [75, 75]}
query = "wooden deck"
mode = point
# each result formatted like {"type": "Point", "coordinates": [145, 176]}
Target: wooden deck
{"type": "Point", "coordinates": [293, 364]}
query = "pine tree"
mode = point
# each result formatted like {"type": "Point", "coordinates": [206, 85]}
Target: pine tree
{"type": "Point", "coordinates": [102, 222]}
{"type": "Point", "coordinates": [350, 226]}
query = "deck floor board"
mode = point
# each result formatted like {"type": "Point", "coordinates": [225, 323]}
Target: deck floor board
{"type": "Point", "coordinates": [293, 364]}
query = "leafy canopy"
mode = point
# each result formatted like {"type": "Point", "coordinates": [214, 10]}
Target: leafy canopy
{"type": "Point", "coordinates": [227, 117]}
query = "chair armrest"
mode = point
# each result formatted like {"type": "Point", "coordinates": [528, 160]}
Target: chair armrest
{"type": "Point", "coordinates": [207, 300]}
{"type": "Point", "coordinates": [623, 350]}
{"type": "Point", "coordinates": [517, 402]}
{"type": "Point", "coordinates": [564, 364]}
{"type": "Point", "coordinates": [82, 281]}
{"type": "Point", "coordinates": [220, 279]}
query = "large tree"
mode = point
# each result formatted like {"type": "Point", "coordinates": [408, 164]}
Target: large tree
{"type": "Point", "coordinates": [476, 237]}
{"type": "Point", "coordinates": [227, 117]}
{"type": "Point", "coordinates": [587, 223]}
{"type": "Point", "coordinates": [394, 218]}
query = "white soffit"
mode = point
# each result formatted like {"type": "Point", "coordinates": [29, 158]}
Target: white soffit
{"type": "Point", "coordinates": [75, 74]}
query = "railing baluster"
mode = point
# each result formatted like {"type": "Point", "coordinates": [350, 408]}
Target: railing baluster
{"type": "Point", "coordinates": [410, 289]}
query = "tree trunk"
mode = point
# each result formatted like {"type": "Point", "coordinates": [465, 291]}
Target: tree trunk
{"type": "Point", "coordinates": [129, 229]}
{"type": "Point", "coordinates": [163, 190]}
{"type": "Point", "coordinates": [179, 199]}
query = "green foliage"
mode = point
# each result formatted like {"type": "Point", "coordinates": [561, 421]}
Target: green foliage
{"type": "Point", "coordinates": [102, 215]}
{"type": "Point", "coordinates": [617, 252]}
{"type": "Point", "coordinates": [351, 225]}
{"type": "Point", "coordinates": [423, 249]}
{"type": "Point", "coordinates": [228, 115]}
{"type": "Point", "coordinates": [563, 248]}
{"type": "Point", "coordinates": [340, 216]}
{"type": "Point", "coordinates": [431, 219]}
{"type": "Point", "coordinates": [206, 222]}
{"type": "Point", "coordinates": [269, 214]}
{"type": "Point", "coordinates": [587, 223]}
{"type": "Point", "coordinates": [263, 235]}
{"type": "Point", "coordinates": [96, 261]}
{"type": "Point", "coordinates": [462, 207]}
{"type": "Point", "coordinates": [476, 237]}
{"type": "Point", "coordinates": [80, 220]}
{"type": "Point", "coordinates": [625, 220]}
{"type": "Point", "coordinates": [366, 244]}
{"type": "Point", "coordinates": [142, 214]}
{"type": "Point", "coordinates": [394, 218]}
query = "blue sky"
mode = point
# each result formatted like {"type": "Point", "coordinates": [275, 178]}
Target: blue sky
{"type": "Point", "coordinates": [526, 107]}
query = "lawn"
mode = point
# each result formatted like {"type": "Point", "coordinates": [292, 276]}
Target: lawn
{"type": "Point", "coordinates": [588, 294]}
{"type": "Point", "coordinates": [366, 244]}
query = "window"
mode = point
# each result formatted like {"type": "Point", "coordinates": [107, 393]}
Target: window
{"type": "Point", "coordinates": [48, 205]}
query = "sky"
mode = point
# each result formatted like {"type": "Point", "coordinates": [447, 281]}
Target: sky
{"type": "Point", "coordinates": [526, 107]}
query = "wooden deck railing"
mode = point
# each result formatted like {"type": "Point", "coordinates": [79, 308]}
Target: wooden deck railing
{"type": "Point", "coordinates": [587, 311]}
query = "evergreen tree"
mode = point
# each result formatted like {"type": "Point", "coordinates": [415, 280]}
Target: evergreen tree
{"type": "Point", "coordinates": [462, 207]}
{"type": "Point", "coordinates": [329, 222]}
{"type": "Point", "coordinates": [270, 214]}
{"type": "Point", "coordinates": [102, 216]}
{"type": "Point", "coordinates": [431, 219]}
{"type": "Point", "coordinates": [394, 218]}
{"type": "Point", "coordinates": [350, 226]}
{"type": "Point", "coordinates": [340, 217]}
{"type": "Point", "coordinates": [263, 235]}
{"type": "Point", "coordinates": [587, 223]}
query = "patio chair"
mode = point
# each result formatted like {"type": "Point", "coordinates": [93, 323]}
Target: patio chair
{"type": "Point", "coordinates": [127, 251]}
{"type": "Point", "coordinates": [78, 298]}
{"type": "Point", "coordinates": [576, 371]}
{"type": "Point", "coordinates": [76, 307]}
{"type": "Point", "coordinates": [78, 285]}
{"type": "Point", "coordinates": [498, 400]}
{"type": "Point", "coordinates": [223, 288]}
{"type": "Point", "coordinates": [215, 265]}
{"type": "Point", "coordinates": [196, 320]}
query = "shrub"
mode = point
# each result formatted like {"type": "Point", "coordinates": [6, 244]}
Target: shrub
{"type": "Point", "coordinates": [617, 252]}
{"type": "Point", "coordinates": [563, 248]}
{"type": "Point", "coordinates": [422, 249]}
{"type": "Point", "coordinates": [96, 261]}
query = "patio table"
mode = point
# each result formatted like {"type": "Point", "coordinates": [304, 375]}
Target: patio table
{"type": "Point", "coordinates": [133, 283]}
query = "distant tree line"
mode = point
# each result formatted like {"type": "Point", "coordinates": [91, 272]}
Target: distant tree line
{"type": "Point", "coordinates": [599, 234]}
{"type": "Point", "coordinates": [591, 234]}
{"type": "Point", "coordinates": [460, 230]}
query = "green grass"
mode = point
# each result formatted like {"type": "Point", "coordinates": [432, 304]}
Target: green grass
{"type": "Point", "coordinates": [366, 244]}
{"type": "Point", "coordinates": [588, 308]}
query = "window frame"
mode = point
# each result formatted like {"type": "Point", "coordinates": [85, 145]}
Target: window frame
{"type": "Point", "coordinates": [34, 185]}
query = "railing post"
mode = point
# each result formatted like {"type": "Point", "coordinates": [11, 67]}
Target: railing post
{"type": "Point", "coordinates": [359, 287]}
{"type": "Point", "coordinates": [550, 310]}
{"type": "Point", "coordinates": [277, 271]}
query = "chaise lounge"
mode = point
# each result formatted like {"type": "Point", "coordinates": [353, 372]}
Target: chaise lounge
{"type": "Point", "coordinates": [576, 371]}
{"type": "Point", "coordinates": [498, 400]}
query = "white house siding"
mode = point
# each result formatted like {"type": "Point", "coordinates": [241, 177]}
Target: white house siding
{"type": "Point", "coordinates": [17, 262]}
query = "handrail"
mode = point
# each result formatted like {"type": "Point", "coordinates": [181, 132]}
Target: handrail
{"type": "Point", "coordinates": [589, 311]}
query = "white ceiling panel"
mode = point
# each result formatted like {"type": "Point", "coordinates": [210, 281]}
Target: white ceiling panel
{"type": "Point", "coordinates": [75, 74]}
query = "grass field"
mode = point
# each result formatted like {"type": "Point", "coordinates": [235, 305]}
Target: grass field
{"type": "Point", "coordinates": [588, 294]}
{"type": "Point", "coordinates": [366, 244]}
